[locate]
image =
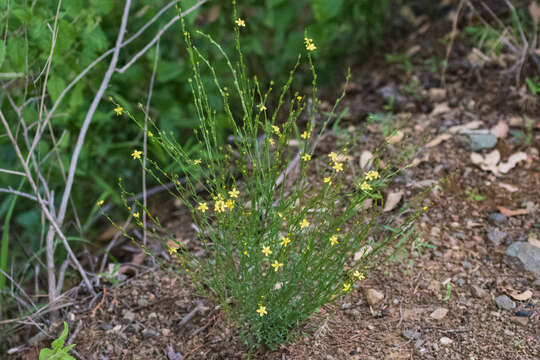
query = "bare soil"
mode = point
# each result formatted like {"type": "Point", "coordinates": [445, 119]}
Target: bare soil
{"type": "Point", "coordinates": [462, 272]}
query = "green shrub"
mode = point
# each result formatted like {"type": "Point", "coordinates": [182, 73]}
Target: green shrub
{"type": "Point", "coordinates": [58, 351]}
{"type": "Point", "coordinates": [277, 247]}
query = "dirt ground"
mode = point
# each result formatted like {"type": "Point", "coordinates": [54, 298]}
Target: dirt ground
{"type": "Point", "coordinates": [445, 303]}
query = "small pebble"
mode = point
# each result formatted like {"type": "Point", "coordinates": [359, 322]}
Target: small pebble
{"type": "Point", "coordinates": [497, 218]}
{"type": "Point", "coordinates": [523, 313]}
{"type": "Point", "coordinates": [504, 302]}
{"type": "Point", "coordinates": [129, 316]}
{"type": "Point", "coordinates": [411, 334]}
{"type": "Point", "coordinates": [495, 235]}
{"type": "Point", "coordinates": [446, 341]}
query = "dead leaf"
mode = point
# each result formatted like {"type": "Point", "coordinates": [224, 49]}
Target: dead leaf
{"type": "Point", "coordinates": [397, 137]}
{"type": "Point", "coordinates": [487, 163]}
{"type": "Point", "coordinates": [365, 158]}
{"type": "Point", "coordinates": [516, 121]}
{"type": "Point", "coordinates": [436, 94]}
{"type": "Point", "coordinates": [500, 130]}
{"type": "Point", "coordinates": [440, 109]}
{"type": "Point", "coordinates": [392, 200]}
{"type": "Point", "coordinates": [472, 125]}
{"type": "Point", "coordinates": [362, 252]}
{"type": "Point", "coordinates": [526, 295]}
{"type": "Point", "coordinates": [507, 212]}
{"type": "Point", "coordinates": [138, 258]}
{"type": "Point", "coordinates": [439, 313]}
{"type": "Point", "coordinates": [513, 160]}
{"type": "Point", "coordinates": [508, 187]}
{"type": "Point", "coordinates": [438, 139]}
{"type": "Point", "coordinates": [533, 241]}
{"type": "Point", "coordinates": [413, 50]}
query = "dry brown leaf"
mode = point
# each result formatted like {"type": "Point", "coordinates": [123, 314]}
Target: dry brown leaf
{"type": "Point", "coordinates": [526, 295]}
{"type": "Point", "coordinates": [437, 94]}
{"type": "Point", "coordinates": [507, 212]}
{"type": "Point", "coordinates": [516, 121]}
{"type": "Point", "coordinates": [513, 160]}
{"type": "Point", "coordinates": [392, 200]}
{"type": "Point", "coordinates": [397, 137]}
{"type": "Point", "coordinates": [500, 130]}
{"type": "Point", "coordinates": [439, 313]}
{"type": "Point", "coordinates": [533, 241]}
{"type": "Point", "coordinates": [440, 109]}
{"type": "Point", "coordinates": [508, 187]}
{"type": "Point", "coordinates": [365, 158]}
{"type": "Point", "coordinates": [472, 125]}
{"type": "Point", "coordinates": [438, 139]}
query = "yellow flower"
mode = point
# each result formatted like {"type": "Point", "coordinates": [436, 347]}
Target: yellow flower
{"type": "Point", "coordinates": [299, 98]}
{"type": "Point", "coordinates": [309, 44]}
{"type": "Point", "coordinates": [285, 240]}
{"type": "Point", "coordinates": [304, 224]}
{"type": "Point", "coordinates": [425, 208]}
{"type": "Point", "coordinates": [202, 207]}
{"type": "Point", "coordinates": [136, 154]}
{"type": "Point", "coordinates": [219, 206]}
{"type": "Point", "coordinates": [271, 141]}
{"type": "Point", "coordinates": [240, 23]}
{"type": "Point", "coordinates": [197, 162]}
{"type": "Point", "coordinates": [100, 202]}
{"type": "Point", "coordinates": [276, 265]}
{"type": "Point", "coordinates": [172, 250]}
{"type": "Point", "coordinates": [305, 135]}
{"type": "Point", "coordinates": [333, 156]}
{"type": "Point", "coordinates": [230, 204]}
{"type": "Point", "coordinates": [365, 186]}
{"type": "Point", "coordinates": [327, 180]}
{"type": "Point", "coordinates": [245, 252]}
{"type": "Point", "coordinates": [266, 250]}
{"type": "Point", "coordinates": [136, 215]}
{"type": "Point", "coordinates": [262, 310]}
{"type": "Point", "coordinates": [234, 193]}
{"type": "Point", "coordinates": [150, 134]}
{"type": "Point", "coordinates": [346, 287]}
{"type": "Point", "coordinates": [280, 214]}
{"type": "Point", "coordinates": [262, 107]}
{"type": "Point", "coordinates": [372, 175]}
{"type": "Point", "coordinates": [334, 240]}
{"type": "Point", "coordinates": [338, 166]}
{"type": "Point", "coordinates": [358, 275]}
{"type": "Point", "coordinates": [118, 110]}
{"type": "Point", "coordinates": [306, 157]}
{"type": "Point", "coordinates": [275, 128]}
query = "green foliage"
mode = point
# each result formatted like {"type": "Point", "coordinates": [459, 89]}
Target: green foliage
{"type": "Point", "coordinates": [58, 351]}
{"type": "Point", "coordinates": [474, 196]}
{"type": "Point", "coordinates": [533, 84]}
{"type": "Point", "coordinates": [277, 245]}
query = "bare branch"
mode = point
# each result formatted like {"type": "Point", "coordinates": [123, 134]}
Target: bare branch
{"type": "Point", "coordinates": [12, 172]}
{"type": "Point", "coordinates": [19, 193]}
{"type": "Point", "coordinates": [145, 142]}
{"type": "Point", "coordinates": [159, 34]}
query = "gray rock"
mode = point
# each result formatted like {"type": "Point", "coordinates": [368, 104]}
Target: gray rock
{"type": "Point", "coordinates": [477, 140]}
{"type": "Point", "coordinates": [149, 333]}
{"type": "Point", "coordinates": [528, 254]}
{"type": "Point", "coordinates": [418, 343]}
{"type": "Point", "coordinates": [105, 326]}
{"type": "Point", "coordinates": [495, 235]}
{"type": "Point", "coordinates": [142, 302]}
{"type": "Point", "coordinates": [497, 218]}
{"type": "Point", "coordinates": [129, 316]}
{"type": "Point", "coordinates": [389, 91]}
{"type": "Point", "coordinates": [411, 334]}
{"type": "Point", "coordinates": [466, 264]}
{"type": "Point", "coordinates": [478, 292]}
{"type": "Point", "coordinates": [504, 302]}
